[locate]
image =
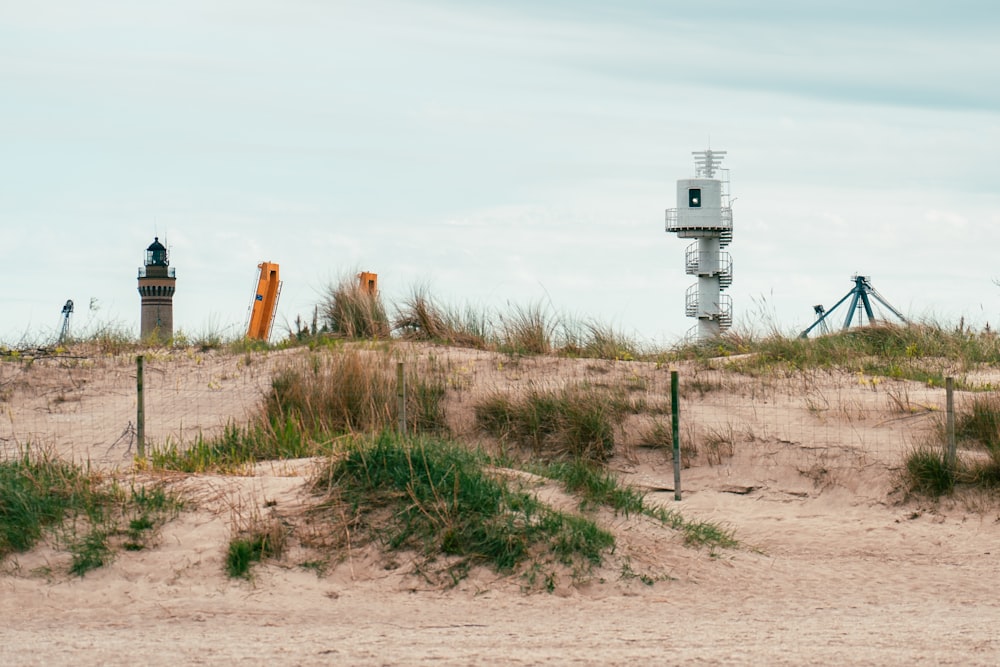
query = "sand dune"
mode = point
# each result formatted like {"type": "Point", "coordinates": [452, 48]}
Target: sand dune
{"type": "Point", "coordinates": [835, 565]}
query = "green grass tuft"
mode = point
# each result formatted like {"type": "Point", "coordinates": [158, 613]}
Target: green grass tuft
{"type": "Point", "coordinates": [252, 546]}
{"type": "Point", "coordinates": [928, 472]}
{"type": "Point", "coordinates": [526, 330]}
{"type": "Point", "coordinates": [595, 485]}
{"type": "Point", "coordinates": [439, 499]}
{"type": "Point", "coordinates": [600, 487]}
{"type": "Point", "coordinates": [90, 552]}
{"type": "Point", "coordinates": [41, 493]}
{"type": "Point", "coordinates": [981, 423]}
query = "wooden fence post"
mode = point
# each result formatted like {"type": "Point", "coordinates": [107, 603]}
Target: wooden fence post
{"type": "Point", "coordinates": [951, 451]}
{"type": "Point", "coordinates": [140, 411]}
{"type": "Point", "coordinates": [401, 397]}
{"type": "Point", "coordinates": [676, 424]}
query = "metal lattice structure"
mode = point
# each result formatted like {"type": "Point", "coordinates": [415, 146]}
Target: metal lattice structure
{"type": "Point", "coordinates": [861, 296]}
{"type": "Point", "coordinates": [67, 312]}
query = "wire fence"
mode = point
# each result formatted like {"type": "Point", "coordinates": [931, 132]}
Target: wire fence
{"type": "Point", "coordinates": [817, 423]}
{"type": "Point", "coordinates": [86, 407]}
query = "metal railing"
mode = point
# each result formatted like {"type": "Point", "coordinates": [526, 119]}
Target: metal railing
{"type": "Point", "coordinates": [695, 266]}
{"type": "Point", "coordinates": [723, 312]}
{"type": "Point", "coordinates": [725, 222]}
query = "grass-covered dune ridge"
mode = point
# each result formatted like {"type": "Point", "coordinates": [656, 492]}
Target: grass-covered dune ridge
{"type": "Point", "coordinates": [525, 390]}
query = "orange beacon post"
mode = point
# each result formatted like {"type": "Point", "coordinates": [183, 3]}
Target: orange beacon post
{"type": "Point", "coordinates": [265, 302]}
{"type": "Point", "coordinates": [368, 282]}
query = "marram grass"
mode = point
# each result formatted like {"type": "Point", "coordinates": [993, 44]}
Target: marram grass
{"type": "Point", "coordinates": [441, 500]}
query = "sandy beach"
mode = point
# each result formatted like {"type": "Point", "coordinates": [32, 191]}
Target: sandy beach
{"type": "Point", "coordinates": [836, 563]}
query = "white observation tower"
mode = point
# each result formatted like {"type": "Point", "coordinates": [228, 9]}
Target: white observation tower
{"type": "Point", "coordinates": [703, 213]}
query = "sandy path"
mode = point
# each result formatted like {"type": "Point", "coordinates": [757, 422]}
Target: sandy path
{"type": "Point", "coordinates": [831, 583]}
{"type": "Point", "coordinates": [679, 625]}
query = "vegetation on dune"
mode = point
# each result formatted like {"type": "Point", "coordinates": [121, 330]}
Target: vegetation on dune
{"type": "Point", "coordinates": [36, 494]}
{"type": "Point", "coordinates": [254, 543]}
{"type": "Point", "coordinates": [443, 499]}
{"type": "Point", "coordinates": [87, 516]}
{"type": "Point", "coordinates": [577, 421]}
{"type": "Point", "coordinates": [526, 330]}
{"type": "Point", "coordinates": [354, 391]}
{"type": "Point", "coordinates": [593, 339]}
{"type": "Point", "coordinates": [351, 311]}
{"type": "Point", "coordinates": [599, 487]}
{"type": "Point", "coordinates": [977, 429]}
{"type": "Point", "coordinates": [530, 329]}
{"type": "Point", "coordinates": [313, 402]}
{"type": "Point", "coordinates": [980, 423]}
{"type": "Point", "coordinates": [921, 352]}
{"type": "Point", "coordinates": [421, 318]}
{"type": "Point", "coordinates": [437, 498]}
{"type": "Point", "coordinates": [928, 472]}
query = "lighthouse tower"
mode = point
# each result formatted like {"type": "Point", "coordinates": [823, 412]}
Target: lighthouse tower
{"type": "Point", "coordinates": [156, 286]}
{"type": "Point", "coordinates": [703, 213]}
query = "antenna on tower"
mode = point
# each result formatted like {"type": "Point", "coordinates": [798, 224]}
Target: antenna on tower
{"type": "Point", "coordinates": [706, 162]}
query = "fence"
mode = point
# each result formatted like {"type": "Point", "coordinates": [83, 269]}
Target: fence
{"type": "Point", "coordinates": [828, 426]}
{"type": "Point", "coordinates": [85, 408]}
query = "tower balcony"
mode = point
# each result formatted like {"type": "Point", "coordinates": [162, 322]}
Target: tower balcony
{"type": "Point", "coordinates": [701, 223]}
{"type": "Point", "coordinates": [699, 264]}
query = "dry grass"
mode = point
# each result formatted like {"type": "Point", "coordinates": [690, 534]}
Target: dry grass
{"type": "Point", "coordinates": [421, 318]}
{"type": "Point", "coordinates": [314, 400]}
{"type": "Point", "coordinates": [348, 311]}
{"type": "Point", "coordinates": [577, 421]}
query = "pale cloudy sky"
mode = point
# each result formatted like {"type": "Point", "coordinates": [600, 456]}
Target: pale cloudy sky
{"type": "Point", "coordinates": [497, 152]}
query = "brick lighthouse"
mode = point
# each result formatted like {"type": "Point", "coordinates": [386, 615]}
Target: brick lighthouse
{"type": "Point", "coordinates": [156, 286]}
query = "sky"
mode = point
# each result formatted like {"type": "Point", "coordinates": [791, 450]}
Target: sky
{"type": "Point", "coordinates": [497, 154]}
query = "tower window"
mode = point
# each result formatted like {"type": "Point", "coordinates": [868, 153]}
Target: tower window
{"type": "Point", "coordinates": [694, 198]}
